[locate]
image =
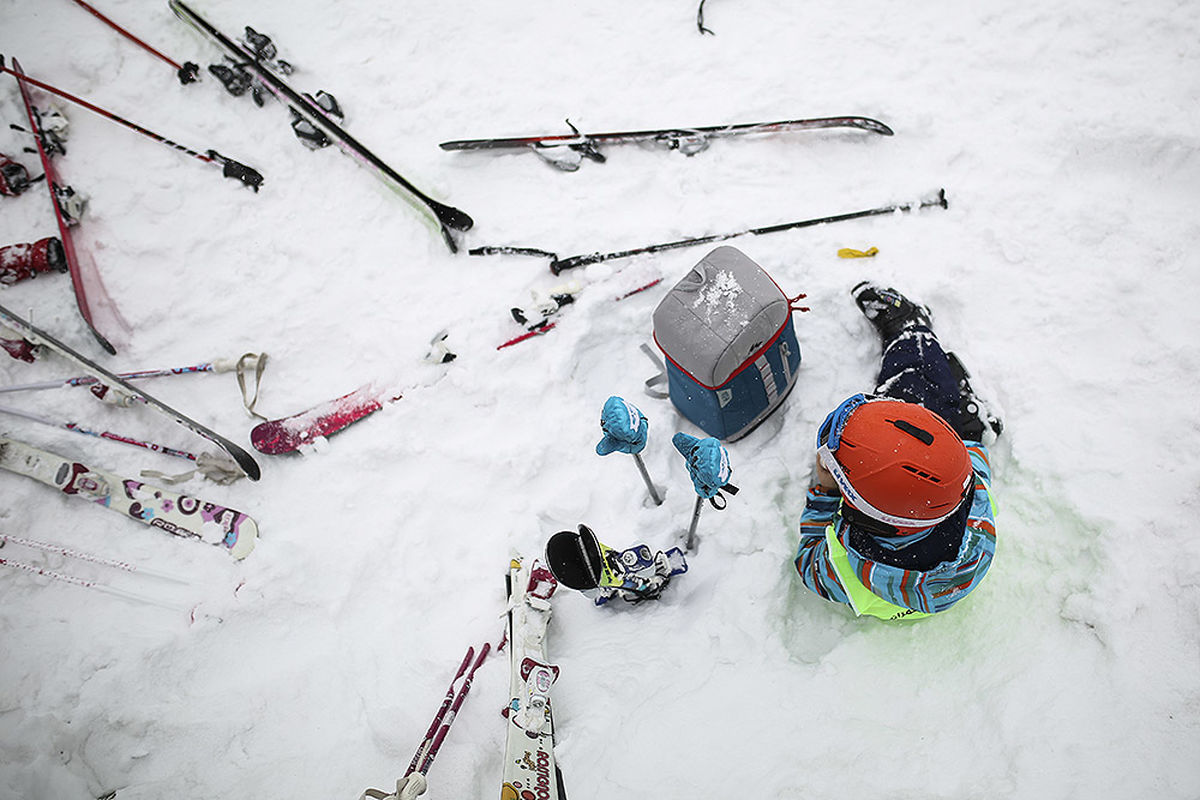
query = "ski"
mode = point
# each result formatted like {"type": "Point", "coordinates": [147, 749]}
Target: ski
{"type": "Point", "coordinates": [688, 141]}
{"type": "Point", "coordinates": [58, 191]}
{"type": "Point", "coordinates": [557, 265]}
{"type": "Point", "coordinates": [177, 514]}
{"type": "Point", "coordinates": [529, 765]}
{"type": "Point", "coordinates": [288, 434]}
{"type": "Point", "coordinates": [448, 219]}
{"type": "Point", "coordinates": [127, 390]}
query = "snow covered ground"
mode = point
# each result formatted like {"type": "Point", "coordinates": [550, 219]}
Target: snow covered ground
{"type": "Point", "coordinates": [1064, 272]}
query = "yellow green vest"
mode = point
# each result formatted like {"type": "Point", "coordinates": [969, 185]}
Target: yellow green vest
{"type": "Point", "coordinates": [862, 599]}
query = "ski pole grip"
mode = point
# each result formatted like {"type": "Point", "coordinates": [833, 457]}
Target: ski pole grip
{"type": "Point", "coordinates": [559, 264]}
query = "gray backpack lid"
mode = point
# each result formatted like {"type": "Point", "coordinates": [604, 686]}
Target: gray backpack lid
{"type": "Point", "coordinates": [720, 314]}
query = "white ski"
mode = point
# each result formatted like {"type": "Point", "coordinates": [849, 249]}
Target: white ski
{"type": "Point", "coordinates": [529, 767]}
{"type": "Point", "coordinates": [177, 514]}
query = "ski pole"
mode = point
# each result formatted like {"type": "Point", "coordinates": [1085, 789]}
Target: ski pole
{"type": "Point", "coordinates": [187, 73]}
{"type": "Point", "coordinates": [641, 465]}
{"type": "Point", "coordinates": [124, 566]}
{"type": "Point", "coordinates": [413, 784]}
{"type": "Point", "coordinates": [557, 265]}
{"type": "Point", "coordinates": [230, 168]}
{"type": "Point", "coordinates": [220, 365]}
{"type": "Point", "coordinates": [113, 437]}
{"type": "Point", "coordinates": [430, 734]}
{"type": "Point", "coordinates": [449, 719]}
{"type": "Point", "coordinates": [690, 540]}
{"type": "Point", "coordinates": [708, 465]}
{"type": "Point", "coordinates": [86, 584]}
{"type": "Point", "coordinates": [625, 429]}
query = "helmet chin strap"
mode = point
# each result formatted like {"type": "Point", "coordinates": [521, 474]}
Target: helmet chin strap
{"type": "Point", "coordinates": [854, 498]}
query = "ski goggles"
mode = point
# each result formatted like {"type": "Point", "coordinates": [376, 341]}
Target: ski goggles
{"type": "Point", "coordinates": [829, 439]}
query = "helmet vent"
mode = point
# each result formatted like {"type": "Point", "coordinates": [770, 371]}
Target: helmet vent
{"type": "Point", "coordinates": [920, 473]}
{"type": "Point", "coordinates": [920, 434]}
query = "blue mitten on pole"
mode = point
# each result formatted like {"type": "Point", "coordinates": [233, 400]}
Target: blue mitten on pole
{"type": "Point", "coordinates": [707, 463]}
{"type": "Point", "coordinates": [624, 426]}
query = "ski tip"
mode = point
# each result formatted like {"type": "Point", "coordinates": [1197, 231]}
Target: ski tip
{"type": "Point", "coordinates": [451, 217]}
{"type": "Point", "coordinates": [246, 462]}
{"type": "Point", "coordinates": [869, 124]}
{"type": "Point", "coordinates": [105, 343]}
{"type": "Point", "coordinates": [245, 539]}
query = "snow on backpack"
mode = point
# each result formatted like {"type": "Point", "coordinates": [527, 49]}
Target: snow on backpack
{"type": "Point", "coordinates": [731, 351]}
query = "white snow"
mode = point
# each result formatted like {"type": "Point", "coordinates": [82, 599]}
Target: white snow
{"type": "Point", "coordinates": [1064, 273]}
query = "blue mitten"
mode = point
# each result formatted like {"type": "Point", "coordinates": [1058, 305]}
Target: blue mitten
{"type": "Point", "coordinates": [624, 427]}
{"type": "Point", "coordinates": [707, 462]}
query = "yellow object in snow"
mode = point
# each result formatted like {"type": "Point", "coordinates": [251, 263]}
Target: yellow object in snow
{"type": "Point", "coordinates": [847, 252]}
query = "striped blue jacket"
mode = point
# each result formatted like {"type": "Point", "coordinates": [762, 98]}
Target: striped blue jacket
{"type": "Point", "coordinates": [931, 590]}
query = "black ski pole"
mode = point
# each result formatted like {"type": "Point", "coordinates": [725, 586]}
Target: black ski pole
{"type": "Point", "coordinates": [187, 72]}
{"type": "Point", "coordinates": [560, 264]}
{"type": "Point", "coordinates": [230, 168]}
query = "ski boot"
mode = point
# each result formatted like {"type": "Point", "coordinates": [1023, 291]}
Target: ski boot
{"type": "Point", "coordinates": [889, 311]}
{"type": "Point", "coordinates": [580, 561]}
{"type": "Point", "coordinates": [975, 420]}
{"type": "Point", "coordinates": [21, 261]}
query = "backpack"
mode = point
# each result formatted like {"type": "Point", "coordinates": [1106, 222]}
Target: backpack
{"type": "Point", "coordinates": [730, 346]}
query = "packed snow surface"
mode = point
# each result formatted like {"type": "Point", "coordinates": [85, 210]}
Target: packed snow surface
{"type": "Point", "coordinates": [1064, 272]}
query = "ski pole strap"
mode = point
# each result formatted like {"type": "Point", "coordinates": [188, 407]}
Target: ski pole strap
{"type": "Point", "coordinates": [217, 467]}
{"type": "Point", "coordinates": [653, 382]}
{"type": "Point", "coordinates": [257, 362]}
{"type": "Point", "coordinates": [729, 487]}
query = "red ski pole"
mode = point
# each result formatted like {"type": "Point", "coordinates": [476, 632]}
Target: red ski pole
{"type": "Point", "coordinates": [449, 718]}
{"type": "Point", "coordinates": [230, 168]}
{"type": "Point", "coordinates": [187, 73]}
{"type": "Point", "coordinates": [427, 742]}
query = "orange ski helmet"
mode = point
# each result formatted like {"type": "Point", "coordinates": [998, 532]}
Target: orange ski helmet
{"type": "Point", "coordinates": [898, 463]}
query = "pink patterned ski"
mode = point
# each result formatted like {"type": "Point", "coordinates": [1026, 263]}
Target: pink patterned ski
{"type": "Point", "coordinates": [288, 434]}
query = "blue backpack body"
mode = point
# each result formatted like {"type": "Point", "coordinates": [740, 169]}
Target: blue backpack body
{"type": "Point", "coordinates": [731, 351]}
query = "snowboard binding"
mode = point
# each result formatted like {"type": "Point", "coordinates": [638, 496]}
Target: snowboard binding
{"type": "Point", "coordinates": [578, 560]}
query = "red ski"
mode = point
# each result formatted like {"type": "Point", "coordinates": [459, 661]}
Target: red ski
{"type": "Point", "coordinates": [288, 434]}
{"type": "Point", "coordinates": [82, 284]}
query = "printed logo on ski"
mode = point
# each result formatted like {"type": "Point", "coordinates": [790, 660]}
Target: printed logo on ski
{"type": "Point", "coordinates": [513, 790]}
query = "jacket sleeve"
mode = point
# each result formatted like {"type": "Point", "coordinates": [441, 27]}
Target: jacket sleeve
{"type": "Point", "coordinates": [812, 559]}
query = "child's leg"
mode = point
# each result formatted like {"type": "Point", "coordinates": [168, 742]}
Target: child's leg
{"type": "Point", "coordinates": [915, 369]}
